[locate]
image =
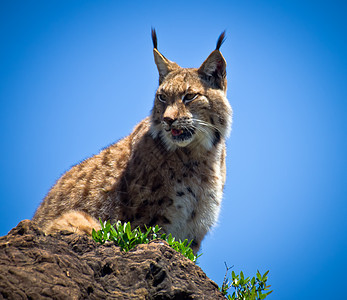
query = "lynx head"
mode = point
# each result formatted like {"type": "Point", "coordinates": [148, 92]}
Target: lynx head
{"type": "Point", "coordinates": [190, 107]}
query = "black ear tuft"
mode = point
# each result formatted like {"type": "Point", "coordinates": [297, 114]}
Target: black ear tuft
{"type": "Point", "coordinates": [154, 38]}
{"type": "Point", "coordinates": [220, 41]}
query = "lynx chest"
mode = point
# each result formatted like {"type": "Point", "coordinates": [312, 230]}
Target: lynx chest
{"type": "Point", "coordinates": [180, 193]}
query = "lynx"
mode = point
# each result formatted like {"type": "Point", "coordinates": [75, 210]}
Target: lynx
{"type": "Point", "coordinates": [169, 171]}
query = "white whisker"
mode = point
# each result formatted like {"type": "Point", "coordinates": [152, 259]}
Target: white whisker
{"type": "Point", "coordinates": [203, 123]}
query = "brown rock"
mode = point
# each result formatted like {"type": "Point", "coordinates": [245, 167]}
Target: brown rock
{"type": "Point", "coordinates": [71, 266]}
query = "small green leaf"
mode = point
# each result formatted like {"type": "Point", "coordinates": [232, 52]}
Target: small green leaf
{"type": "Point", "coordinates": [258, 275]}
{"type": "Point", "coordinates": [265, 276]}
{"type": "Point", "coordinates": [233, 274]}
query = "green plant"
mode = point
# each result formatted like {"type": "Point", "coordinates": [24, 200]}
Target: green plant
{"type": "Point", "coordinates": [123, 236]}
{"type": "Point", "coordinates": [245, 288]}
{"type": "Point", "coordinates": [126, 238]}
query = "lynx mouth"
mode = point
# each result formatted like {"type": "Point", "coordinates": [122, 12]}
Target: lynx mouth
{"type": "Point", "coordinates": [176, 132]}
{"type": "Point", "coordinates": [181, 134]}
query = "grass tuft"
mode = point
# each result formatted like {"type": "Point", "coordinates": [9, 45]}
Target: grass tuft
{"type": "Point", "coordinates": [245, 288]}
{"type": "Point", "coordinates": [123, 236]}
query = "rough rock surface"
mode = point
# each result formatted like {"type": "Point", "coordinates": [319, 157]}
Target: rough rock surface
{"type": "Point", "coordinates": [70, 266]}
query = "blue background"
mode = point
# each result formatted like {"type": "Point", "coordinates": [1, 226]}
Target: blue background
{"type": "Point", "coordinates": [76, 76]}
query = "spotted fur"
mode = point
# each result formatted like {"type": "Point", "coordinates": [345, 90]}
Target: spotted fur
{"type": "Point", "coordinates": [169, 171]}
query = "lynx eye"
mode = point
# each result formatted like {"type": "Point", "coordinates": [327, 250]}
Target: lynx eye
{"type": "Point", "coordinates": [162, 98]}
{"type": "Point", "coordinates": [189, 97]}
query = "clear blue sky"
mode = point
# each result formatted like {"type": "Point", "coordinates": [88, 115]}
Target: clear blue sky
{"type": "Point", "coordinates": [76, 76]}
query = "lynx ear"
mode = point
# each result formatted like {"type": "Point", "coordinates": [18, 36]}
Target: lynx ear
{"type": "Point", "coordinates": [213, 68]}
{"type": "Point", "coordinates": [164, 65]}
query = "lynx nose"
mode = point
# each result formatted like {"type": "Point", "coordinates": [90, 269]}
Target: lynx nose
{"type": "Point", "coordinates": [169, 120]}
{"type": "Point", "coordinates": [171, 114]}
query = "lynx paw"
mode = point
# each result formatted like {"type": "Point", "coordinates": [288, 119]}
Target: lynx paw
{"type": "Point", "coordinates": [75, 221]}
